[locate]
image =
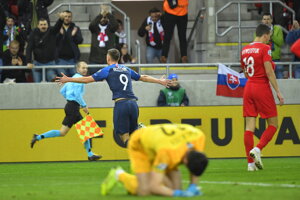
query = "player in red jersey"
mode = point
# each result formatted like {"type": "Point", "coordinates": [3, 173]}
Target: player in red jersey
{"type": "Point", "coordinates": [258, 67]}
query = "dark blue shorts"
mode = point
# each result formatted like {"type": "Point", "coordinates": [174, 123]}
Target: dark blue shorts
{"type": "Point", "coordinates": [126, 113]}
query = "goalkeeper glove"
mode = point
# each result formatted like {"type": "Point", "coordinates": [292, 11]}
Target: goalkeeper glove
{"type": "Point", "coordinates": [194, 189]}
{"type": "Point", "coordinates": [182, 193]}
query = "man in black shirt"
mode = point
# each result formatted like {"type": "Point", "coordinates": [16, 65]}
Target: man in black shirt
{"type": "Point", "coordinates": [42, 43]}
{"type": "Point", "coordinates": [153, 29]}
{"type": "Point", "coordinates": [68, 39]}
{"type": "Point", "coordinates": [13, 57]}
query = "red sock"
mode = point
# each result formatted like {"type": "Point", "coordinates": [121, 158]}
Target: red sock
{"type": "Point", "coordinates": [266, 136]}
{"type": "Point", "coordinates": [249, 144]}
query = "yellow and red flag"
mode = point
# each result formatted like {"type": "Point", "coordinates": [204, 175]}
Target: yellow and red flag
{"type": "Point", "coordinates": [88, 128]}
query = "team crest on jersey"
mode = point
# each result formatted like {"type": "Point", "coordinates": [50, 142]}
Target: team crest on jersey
{"type": "Point", "coordinates": [162, 166]}
{"type": "Point", "coordinates": [233, 81]}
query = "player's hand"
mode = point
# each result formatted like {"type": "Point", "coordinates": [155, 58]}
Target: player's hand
{"type": "Point", "coordinates": [62, 80]}
{"type": "Point", "coordinates": [165, 82]}
{"type": "Point", "coordinates": [280, 98]}
{"type": "Point", "coordinates": [194, 189]}
{"type": "Point", "coordinates": [86, 110]}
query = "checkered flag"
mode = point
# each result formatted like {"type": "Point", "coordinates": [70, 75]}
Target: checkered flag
{"type": "Point", "coordinates": [88, 128]}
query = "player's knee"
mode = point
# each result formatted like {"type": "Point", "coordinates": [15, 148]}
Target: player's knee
{"type": "Point", "coordinates": [275, 126]}
{"type": "Point", "coordinates": [143, 190]}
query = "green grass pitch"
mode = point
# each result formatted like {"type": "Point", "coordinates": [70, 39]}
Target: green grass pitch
{"type": "Point", "coordinates": [223, 179]}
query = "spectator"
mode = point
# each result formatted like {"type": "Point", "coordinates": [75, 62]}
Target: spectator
{"type": "Point", "coordinates": [293, 36]}
{"type": "Point", "coordinates": [13, 32]}
{"type": "Point", "coordinates": [120, 33]}
{"type": "Point", "coordinates": [125, 57]}
{"type": "Point", "coordinates": [103, 29]}
{"type": "Point", "coordinates": [275, 43]}
{"type": "Point", "coordinates": [13, 57]}
{"type": "Point", "coordinates": [176, 13]}
{"type": "Point", "coordinates": [68, 40]}
{"type": "Point", "coordinates": [30, 11]}
{"type": "Point", "coordinates": [281, 16]}
{"type": "Point", "coordinates": [2, 24]}
{"type": "Point", "coordinates": [42, 43]}
{"type": "Point", "coordinates": [154, 31]}
{"type": "Point", "coordinates": [174, 95]}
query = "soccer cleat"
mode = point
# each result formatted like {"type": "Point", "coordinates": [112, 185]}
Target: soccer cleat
{"type": "Point", "coordinates": [94, 157]}
{"type": "Point", "coordinates": [257, 158]}
{"type": "Point", "coordinates": [252, 167]}
{"type": "Point", "coordinates": [141, 125]}
{"type": "Point", "coordinates": [109, 182]}
{"type": "Point", "coordinates": [34, 140]}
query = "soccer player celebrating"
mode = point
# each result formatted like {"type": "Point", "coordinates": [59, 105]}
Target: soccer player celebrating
{"type": "Point", "coordinates": [155, 152]}
{"type": "Point", "coordinates": [119, 79]}
{"type": "Point", "coordinates": [258, 67]}
{"type": "Point", "coordinates": [73, 93]}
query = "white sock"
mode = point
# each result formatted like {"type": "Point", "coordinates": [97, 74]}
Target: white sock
{"type": "Point", "coordinates": [118, 172]}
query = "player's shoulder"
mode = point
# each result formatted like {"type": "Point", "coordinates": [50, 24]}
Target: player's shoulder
{"type": "Point", "coordinates": [248, 46]}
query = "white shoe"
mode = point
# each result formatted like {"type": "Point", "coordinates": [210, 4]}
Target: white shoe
{"type": "Point", "coordinates": [255, 154]}
{"type": "Point", "coordinates": [252, 167]}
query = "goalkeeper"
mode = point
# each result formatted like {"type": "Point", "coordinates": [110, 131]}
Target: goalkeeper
{"type": "Point", "coordinates": [73, 93]}
{"type": "Point", "coordinates": [155, 152]}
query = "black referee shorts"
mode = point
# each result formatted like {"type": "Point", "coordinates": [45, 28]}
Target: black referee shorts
{"type": "Point", "coordinates": [72, 114]}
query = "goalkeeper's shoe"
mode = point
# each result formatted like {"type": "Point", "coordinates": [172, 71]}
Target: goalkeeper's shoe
{"type": "Point", "coordinates": [94, 157]}
{"type": "Point", "coordinates": [109, 182]}
{"type": "Point", "coordinates": [141, 125]}
{"type": "Point", "coordinates": [255, 154]}
{"type": "Point", "coordinates": [34, 140]}
{"type": "Point", "coordinates": [252, 167]}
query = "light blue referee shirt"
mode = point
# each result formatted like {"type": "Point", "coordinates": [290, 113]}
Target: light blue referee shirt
{"type": "Point", "coordinates": [74, 91]}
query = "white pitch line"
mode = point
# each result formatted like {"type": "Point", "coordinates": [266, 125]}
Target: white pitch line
{"type": "Point", "coordinates": [186, 181]}
{"type": "Point", "coordinates": [250, 183]}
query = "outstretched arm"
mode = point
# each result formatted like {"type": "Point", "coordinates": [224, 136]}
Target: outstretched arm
{"type": "Point", "coordinates": [65, 79]}
{"type": "Point", "coordinates": [163, 81]}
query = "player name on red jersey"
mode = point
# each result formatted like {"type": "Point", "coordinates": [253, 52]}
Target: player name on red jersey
{"type": "Point", "coordinates": [251, 50]}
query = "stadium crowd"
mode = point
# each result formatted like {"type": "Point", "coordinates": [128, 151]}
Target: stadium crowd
{"type": "Point", "coordinates": [27, 22]}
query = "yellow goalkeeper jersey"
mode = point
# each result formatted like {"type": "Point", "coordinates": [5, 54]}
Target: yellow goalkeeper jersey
{"type": "Point", "coordinates": [166, 144]}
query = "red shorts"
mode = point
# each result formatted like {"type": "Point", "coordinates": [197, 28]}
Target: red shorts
{"type": "Point", "coordinates": [258, 99]}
